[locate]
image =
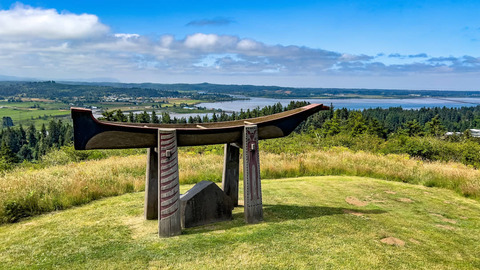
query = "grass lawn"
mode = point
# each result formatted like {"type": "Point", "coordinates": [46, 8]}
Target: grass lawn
{"type": "Point", "coordinates": [333, 222]}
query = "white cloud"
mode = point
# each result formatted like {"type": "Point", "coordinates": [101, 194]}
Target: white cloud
{"type": "Point", "coordinates": [248, 45]}
{"type": "Point", "coordinates": [201, 41]}
{"type": "Point", "coordinates": [44, 43]}
{"type": "Point", "coordinates": [209, 41]}
{"type": "Point", "coordinates": [127, 36]}
{"type": "Point", "coordinates": [25, 22]}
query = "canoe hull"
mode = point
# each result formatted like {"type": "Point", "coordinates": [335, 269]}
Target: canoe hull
{"type": "Point", "coordinates": [89, 133]}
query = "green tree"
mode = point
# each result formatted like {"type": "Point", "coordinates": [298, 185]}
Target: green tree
{"type": "Point", "coordinates": [119, 116]}
{"type": "Point", "coordinates": [7, 155]}
{"type": "Point", "coordinates": [131, 117]}
{"type": "Point", "coordinates": [413, 128]}
{"type": "Point", "coordinates": [7, 121]}
{"type": "Point", "coordinates": [154, 118]}
{"type": "Point", "coordinates": [331, 127]}
{"type": "Point", "coordinates": [374, 127]}
{"type": "Point", "coordinates": [108, 115]}
{"type": "Point", "coordinates": [143, 117]}
{"type": "Point", "coordinates": [32, 136]}
{"type": "Point", "coordinates": [166, 118]}
{"type": "Point", "coordinates": [356, 124]}
{"type": "Point", "coordinates": [435, 127]}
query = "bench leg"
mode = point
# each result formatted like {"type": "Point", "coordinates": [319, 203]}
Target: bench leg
{"type": "Point", "coordinates": [230, 176]}
{"type": "Point", "coordinates": [168, 188]}
{"type": "Point", "coordinates": [151, 185]}
{"type": "Point", "coordinates": [252, 189]}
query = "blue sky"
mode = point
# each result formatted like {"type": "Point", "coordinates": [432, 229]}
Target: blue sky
{"type": "Point", "coordinates": [354, 44]}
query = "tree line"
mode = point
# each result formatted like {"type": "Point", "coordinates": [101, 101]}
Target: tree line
{"type": "Point", "coordinates": [395, 120]}
{"type": "Point", "coordinates": [93, 93]}
{"type": "Point", "coordinates": [164, 117]}
{"type": "Point", "coordinates": [401, 131]}
{"type": "Point", "coordinates": [18, 144]}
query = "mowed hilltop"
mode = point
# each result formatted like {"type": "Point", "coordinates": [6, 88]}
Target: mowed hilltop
{"type": "Point", "coordinates": [310, 222]}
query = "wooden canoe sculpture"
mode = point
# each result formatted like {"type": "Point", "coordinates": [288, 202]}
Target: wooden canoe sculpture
{"type": "Point", "coordinates": [203, 203]}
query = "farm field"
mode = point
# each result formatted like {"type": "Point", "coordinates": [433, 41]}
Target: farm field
{"type": "Point", "coordinates": [310, 222]}
{"type": "Point", "coordinates": [37, 117]}
{"type": "Point", "coordinates": [41, 111]}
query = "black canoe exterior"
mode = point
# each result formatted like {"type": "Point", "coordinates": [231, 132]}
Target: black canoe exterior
{"type": "Point", "coordinates": [89, 133]}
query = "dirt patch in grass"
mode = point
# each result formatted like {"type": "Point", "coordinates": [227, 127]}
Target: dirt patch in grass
{"type": "Point", "coordinates": [451, 221]}
{"type": "Point", "coordinates": [355, 201]}
{"type": "Point", "coordinates": [414, 241]}
{"type": "Point", "coordinates": [407, 200]}
{"type": "Point", "coordinates": [393, 241]}
{"type": "Point", "coordinates": [446, 227]}
{"type": "Point", "coordinates": [444, 219]}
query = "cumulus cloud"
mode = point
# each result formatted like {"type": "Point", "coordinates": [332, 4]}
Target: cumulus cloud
{"type": "Point", "coordinates": [27, 22]}
{"type": "Point", "coordinates": [218, 21]}
{"type": "Point", "coordinates": [38, 42]}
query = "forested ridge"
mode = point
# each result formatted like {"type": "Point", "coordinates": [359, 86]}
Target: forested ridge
{"type": "Point", "coordinates": [92, 91]}
{"type": "Point", "coordinates": [292, 92]}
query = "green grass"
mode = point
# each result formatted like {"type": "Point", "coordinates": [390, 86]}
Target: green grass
{"type": "Point", "coordinates": [27, 116]}
{"type": "Point", "coordinates": [48, 105]}
{"type": "Point", "coordinates": [307, 224]}
{"type": "Point", "coordinates": [59, 183]}
{"type": "Point", "coordinates": [23, 113]}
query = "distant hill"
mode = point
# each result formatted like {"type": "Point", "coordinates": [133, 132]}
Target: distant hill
{"type": "Point", "coordinates": [51, 89]}
{"type": "Point", "coordinates": [290, 92]}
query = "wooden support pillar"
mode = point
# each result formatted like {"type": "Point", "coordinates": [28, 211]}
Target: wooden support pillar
{"type": "Point", "coordinates": [230, 176]}
{"type": "Point", "coordinates": [252, 190]}
{"type": "Point", "coordinates": [151, 185]}
{"type": "Point", "coordinates": [168, 188]}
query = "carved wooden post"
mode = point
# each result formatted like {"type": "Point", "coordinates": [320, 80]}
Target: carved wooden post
{"type": "Point", "coordinates": [151, 185]}
{"type": "Point", "coordinates": [168, 188]}
{"type": "Point", "coordinates": [230, 177]}
{"type": "Point", "coordinates": [252, 190]}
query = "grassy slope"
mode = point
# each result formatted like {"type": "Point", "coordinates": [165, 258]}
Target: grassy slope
{"type": "Point", "coordinates": [308, 224]}
{"type": "Point", "coordinates": [29, 191]}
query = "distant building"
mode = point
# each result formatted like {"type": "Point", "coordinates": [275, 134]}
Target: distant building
{"type": "Point", "coordinates": [450, 133]}
{"type": "Point", "coordinates": [474, 132]}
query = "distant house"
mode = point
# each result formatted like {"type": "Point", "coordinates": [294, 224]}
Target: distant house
{"type": "Point", "coordinates": [450, 133]}
{"type": "Point", "coordinates": [474, 132]}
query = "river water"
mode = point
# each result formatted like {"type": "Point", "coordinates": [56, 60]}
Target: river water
{"type": "Point", "coordinates": [356, 104]}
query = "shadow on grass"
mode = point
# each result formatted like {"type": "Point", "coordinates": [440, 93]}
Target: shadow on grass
{"type": "Point", "coordinates": [279, 213]}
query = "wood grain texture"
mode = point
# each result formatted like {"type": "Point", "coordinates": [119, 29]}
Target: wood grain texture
{"type": "Point", "coordinates": [252, 189]}
{"type": "Point", "coordinates": [231, 170]}
{"type": "Point", "coordinates": [151, 185]}
{"type": "Point", "coordinates": [89, 133]}
{"type": "Point", "coordinates": [169, 187]}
